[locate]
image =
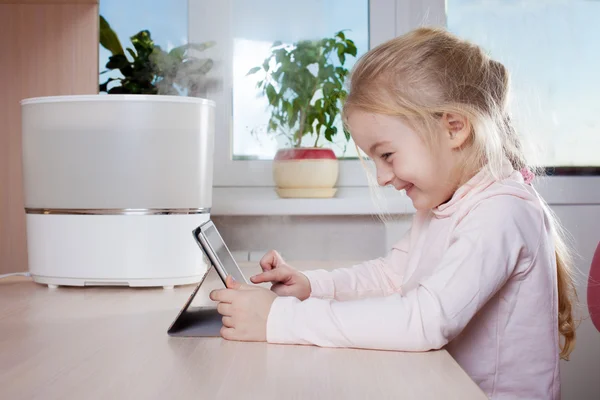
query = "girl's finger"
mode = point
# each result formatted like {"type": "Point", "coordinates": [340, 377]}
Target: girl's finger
{"type": "Point", "coordinates": [227, 322]}
{"type": "Point", "coordinates": [281, 274]}
{"type": "Point", "coordinates": [223, 295]}
{"type": "Point", "coordinates": [270, 260]}
{"type": "Point", "coordinates": [225, 309]}
{"type": "Point", "coordinates": [228, 333]}
{"type": "Point", "coordinates": [267, 276]}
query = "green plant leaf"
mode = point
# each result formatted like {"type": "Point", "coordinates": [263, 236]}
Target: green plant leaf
{"type": "Point", "coordinates": [194, 46]}
{"type": "Point", "coordinates": [119, 90]}
{"type": "Point", "coordinates": [271, 94]}
{"type": "Point", "coordinates": [195, 66]}
{"type": "Point", "coordinates": [152, 70]}
{"type": "Point", "coordinates": [253, 71]}
{"type": "Point", "coordinates": [332, 132]}
{"type": "Point", "coordinates": [293, 118]}
{"type": "Point", "coordinates": [280, 55]}
{"type": "Point", "coordinates": [347, 134]}
{"type": "Point", "coordinates": [304, 86]}
{"type": "Point", "coordinates": [351, 48]}
{"type": "Point", "coordinates": [143, 44]}
{"type": "Point", "coordinates": [328, 89]}
{"type": "Point", "coordinates": [109, 39]}
{"type": "Point", "coordinates": [162, 63]}
{"type": "Point", "coordinates": [132, 53]}
{"type": "Point", "coordinates": [272, 125]}
{"type": "Point", "coordinates": [118, 61]}
{"type": "Point", "coordinates": [103, 87]}
{"type": "Point", "coordinates": [341, 72]}
{"type": "Point", "coordinates": [289, 109]}
{"type": "Point", "coordinates": [341, 50]}
{"type": "Point", "coordinates": [343, 95]}
{"type": "Point", "coordinates": [178, 53]}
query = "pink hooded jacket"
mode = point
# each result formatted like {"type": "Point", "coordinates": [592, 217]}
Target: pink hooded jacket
{"type": "Point", "coordinates": [477, 276]}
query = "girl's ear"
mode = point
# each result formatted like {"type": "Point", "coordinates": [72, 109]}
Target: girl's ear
{"type": "Point", "coordinates": [457, 129]}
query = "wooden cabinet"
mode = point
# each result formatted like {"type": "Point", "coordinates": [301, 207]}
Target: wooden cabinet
{"type": "Point", "coordinates": [48, 48]}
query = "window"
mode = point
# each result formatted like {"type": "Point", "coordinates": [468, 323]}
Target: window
{"type": "Point", "coordinates": [243, 32]}
{"type": "Point", "coordinates": [551, 50]}
{"type": "Point", "coordinates": [257, 25]}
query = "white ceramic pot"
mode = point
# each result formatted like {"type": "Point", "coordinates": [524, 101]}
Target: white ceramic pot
{"type": "Point", "coordinates": [114, 186]}
{"type": "Point", "coordinates": [305, 173]}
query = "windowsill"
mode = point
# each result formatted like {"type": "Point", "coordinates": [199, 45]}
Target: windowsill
{"type": "Point", "coordinates": [255, 201]}
{"type": "Point", "coordinates": [265, 201]}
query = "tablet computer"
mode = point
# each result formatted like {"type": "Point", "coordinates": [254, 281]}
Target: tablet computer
{"type": "Point", "coordinates": [209, 239]}
{"type": "Point", "coordinates": [196, 321]}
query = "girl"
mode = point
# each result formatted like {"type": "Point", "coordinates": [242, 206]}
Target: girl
{"type": "Point", "coordinates": [483, 271]}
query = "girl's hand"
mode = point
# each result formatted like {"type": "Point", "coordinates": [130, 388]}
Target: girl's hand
{"type": "Point", "coordinates": [245, 310]}
{"type": "Point", "coordinates": [286, 280]}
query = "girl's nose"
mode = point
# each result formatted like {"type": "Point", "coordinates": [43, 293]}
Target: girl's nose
{"type": "Point", "coordinates": [385, 177]}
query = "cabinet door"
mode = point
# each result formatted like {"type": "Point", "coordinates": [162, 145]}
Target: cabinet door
{"type": "Point", "coordinates": [47, 50]}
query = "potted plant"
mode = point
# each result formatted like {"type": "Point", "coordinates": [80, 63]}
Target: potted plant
{"type": "Point", "coordinates": [304, 84]}
{"type": "Point", "coordinates": [150, 69]}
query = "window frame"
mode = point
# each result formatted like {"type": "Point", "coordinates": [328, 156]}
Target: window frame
{"type": "Point", "coordinates": [210, 20]}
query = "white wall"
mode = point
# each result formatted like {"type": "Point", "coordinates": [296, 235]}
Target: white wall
{"type": "Point", "coordinates": [311, 238]}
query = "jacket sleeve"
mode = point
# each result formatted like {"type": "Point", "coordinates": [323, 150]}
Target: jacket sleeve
{"type": "Point", "coordinates": [379, 277]}
{"type": "Point", "coordinates": [482, 254]}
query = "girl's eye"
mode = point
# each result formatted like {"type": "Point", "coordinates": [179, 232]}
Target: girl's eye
{"type": "Point", "coordinates": [385, 156]}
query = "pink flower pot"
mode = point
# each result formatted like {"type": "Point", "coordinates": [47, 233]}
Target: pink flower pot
{"type": "Point", "coordinates": [305, 173]}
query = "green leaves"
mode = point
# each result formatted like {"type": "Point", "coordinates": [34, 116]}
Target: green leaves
{"type": "Point", "coordinates": [304, 84]}
{"type": "Point", "coordinates": [351, 48]}
{"type": "Point", "coordinates": [104, 86]}
{"type": "Point", "coordinates": [118, 61]}
{"type": "Point", "coordinates": [330, 131]}
{"type": "Point", "coordinates": [341, 51]}
{"type": "Point", "coordinates": [151, 70]}
{"type": "Point", "coordinates": [271, 95]}
{"type": "Point", "coordinates": [328, 89]}
{"type": "Point", "coordinates": [109, 39]}
{"type": "Point", "coordinates": [253, 71]}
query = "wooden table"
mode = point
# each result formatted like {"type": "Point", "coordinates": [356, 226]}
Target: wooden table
{"type": "Point", "coordinates": [111, 343]}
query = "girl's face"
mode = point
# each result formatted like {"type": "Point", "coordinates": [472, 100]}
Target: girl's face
{"type": "Point", "coordinates": [403, 160]}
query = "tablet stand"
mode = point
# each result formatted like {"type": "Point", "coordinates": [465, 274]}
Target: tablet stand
{"type": "Point", "coordinates": [197, 321]}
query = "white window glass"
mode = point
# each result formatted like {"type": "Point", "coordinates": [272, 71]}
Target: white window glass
{"type": "Point", "coordinates": [551, 50]}
{"type": "Point", "coordinates": [256, 26]}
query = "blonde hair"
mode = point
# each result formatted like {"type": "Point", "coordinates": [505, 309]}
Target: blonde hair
{"type": "Point", "coordinates": [428, 72]}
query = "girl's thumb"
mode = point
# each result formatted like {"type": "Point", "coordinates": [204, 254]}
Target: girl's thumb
{"type": "Point", "coordinates": [231, 283]}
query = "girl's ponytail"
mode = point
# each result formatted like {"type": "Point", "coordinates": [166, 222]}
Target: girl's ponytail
{"type": "Point", "coordinates": [567, 294]}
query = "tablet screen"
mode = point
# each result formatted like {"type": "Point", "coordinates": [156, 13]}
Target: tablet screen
{"type": "Point", "coordinates": [223, 254]}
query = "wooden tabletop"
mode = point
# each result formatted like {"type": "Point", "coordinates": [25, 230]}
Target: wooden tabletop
{"type": "Point", "coordinates": [111, 343]}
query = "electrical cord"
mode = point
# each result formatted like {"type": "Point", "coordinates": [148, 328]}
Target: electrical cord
{"type": "Point", "coordinates": [27, 274]}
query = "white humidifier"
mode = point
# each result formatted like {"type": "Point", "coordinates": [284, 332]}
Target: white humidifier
{"type": "Point", "coordinates": [114, 186]}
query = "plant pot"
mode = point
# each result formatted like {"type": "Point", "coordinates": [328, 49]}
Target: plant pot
{"type": "Point", "coordinates": [305, 173]}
